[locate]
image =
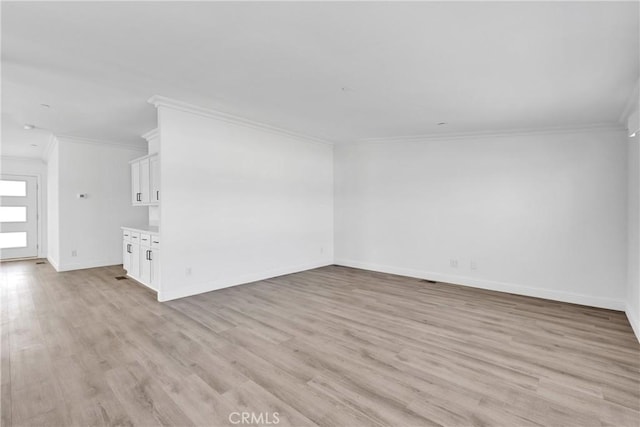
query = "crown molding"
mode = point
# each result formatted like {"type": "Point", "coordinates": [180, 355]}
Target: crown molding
{"type": "Point", "coordinates": [81, 140]}
{"type": "Point", "coordinates": [151, 134]}
{"type": "Point", "coordinates": [632, 103]}
{"type": "Point", "coordinates": [22, 158]}
{"type": "Point", "coordinates": [601, 127]}
{"type": "Point", "coordinates": [162, 101]}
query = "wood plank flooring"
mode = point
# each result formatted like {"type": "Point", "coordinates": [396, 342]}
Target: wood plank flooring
{"type": "Point", "coordinates": [331, 347]}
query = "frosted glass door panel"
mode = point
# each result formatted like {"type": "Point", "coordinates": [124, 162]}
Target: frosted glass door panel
{"type": "Point", "coordinates": [18, 216]}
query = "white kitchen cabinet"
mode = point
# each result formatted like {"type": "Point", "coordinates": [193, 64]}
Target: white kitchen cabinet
{"type": "Point", "coordinates": [126, 255]}
{"type": "Point", "coordinates": [145, 265]}
{"type": "Point", "coordinates": [134, 270]}
{"type": "Point", "coordinates": [135, 183]}
{"type": "Point", "coordinates": [141, 255]}
{"type": "Point", "coordinates": [126, 249]}
{"type": "Point", "coordinates": [150, 267]}
{"type": "Point", "coordinates": [154, 165]}
{"type": "Point", "coordinates": [155, 267]}
{"type": "Point", "coordinates": [145, 181]}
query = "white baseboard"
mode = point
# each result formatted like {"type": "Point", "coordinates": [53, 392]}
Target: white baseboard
{"type": "Point", "coordinates": [85, 264]}
{"type": "Point", "coordinates": [634, 321]}
{"type": "Point", "coordinates": [609, 303]}
{"type": "Point", "coordinates": [165, 294]}
{"type": "Point", "coordinates": [53, 263]}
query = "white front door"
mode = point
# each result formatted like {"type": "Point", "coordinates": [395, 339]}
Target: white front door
{"type": "Point", "coordinates": [18, 216]}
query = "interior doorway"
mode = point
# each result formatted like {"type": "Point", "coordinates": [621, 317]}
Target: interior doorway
{"type": "Point", "coordinates": [18, 216]}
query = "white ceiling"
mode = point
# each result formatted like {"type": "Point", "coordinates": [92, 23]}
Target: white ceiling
{"type": "Point", "coordinates": [339, 71]}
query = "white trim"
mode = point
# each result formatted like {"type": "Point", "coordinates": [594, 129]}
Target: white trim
{"type": "Point", "coordinates": [162, 101]}
{"type": "Point", "coordinates": [41, 215]}
{"type": "Point", "coordinates": [25, 258]}
{"type": "Point", "coordinates": [200, 288]}
{"type": "Point", "coordinates": [139, 281]}
{"type": "Point", "coordinates": [23, 158]}
{"type": "Point", "coordinates": [609, 303]}
{"type": "Point", "coordinates": [600, 127]}
{"type": "Point", "coordinates": [86, 264]}
{"type": "Point", "coordinates": [151, 134]}
{"type": "Point", "coordinates": [124, 145]}
{"type": "Point", "coordinates": [53, 263]}
{"type": "Point", "coordinates": [634, 321]}
{"type": "Point", "coordinates": [146, 156]}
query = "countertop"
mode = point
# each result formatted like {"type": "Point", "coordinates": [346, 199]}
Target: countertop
{"type": "Point", "coordinates": [142, 228]}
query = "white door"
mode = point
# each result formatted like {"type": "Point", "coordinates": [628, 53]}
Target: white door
{"type": "Point", "coordinates": [144, 181]}
{"type": "Point", "coordinates": [134, 270]}
{"type": "Point", "coordinates": [135, 183]}
{"type": "Point", "coordinates": [18, 216]}
{"type": "Point", "coordinates": [154, 163]}
{"type": "Point", "coordinates": [145, 265]}
{"type": "Point", "coordinates": [126, 255]}
{"type": "Point", "coordinates": [155, 268]}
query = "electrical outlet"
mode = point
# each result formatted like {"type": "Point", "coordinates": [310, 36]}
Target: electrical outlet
{"type": "Point", "coordinates": [473, 265]}
{"type": "Point", "coordinates": [74, 253]}
{"type": "Point", "coordinates": [187, 271]}
{"type": "Point", "coordinates": [321, 250]}
{"type": "Point", "coordinates": [453, 263]}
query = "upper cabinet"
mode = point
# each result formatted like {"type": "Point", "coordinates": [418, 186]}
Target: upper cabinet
{"type": "Point", "coordinates": [154, 165]}
{"type": "Point", "coordinates": [145, 181]}
{"type": "Point", "coordinates": [145, 174]}
{"type": "Point", "coordinates": [135, 183]}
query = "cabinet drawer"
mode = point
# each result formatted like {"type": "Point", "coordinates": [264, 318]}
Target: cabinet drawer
{"type": "Point", "coordinates": [135, 236]}
{"type": "Point", "coordinates": [145, 239]}
{"type": "Point", "coordinates": [126, 235]}
{"type": "Point", "coordinates": [155, 241]}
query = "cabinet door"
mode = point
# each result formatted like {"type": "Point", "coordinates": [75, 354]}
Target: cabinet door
{"type": "Point", "coordinates": [155, 269]}
{"type": "Point", "coordinates": [126, 256]}
{"type": "Point", "coordinates": [145, 265]}
{"type": "Point", "coordinates": [154, 164]}
{"type": "Point", "coordinates": [145, 185]}
{"type": "Point", "coordinates": [135, 183]}
{"type": "Point", "coordinates": [135, 260]}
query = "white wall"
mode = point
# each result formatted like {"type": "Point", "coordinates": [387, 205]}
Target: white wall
{"type": "Point", "coordinates": [32, 167]}
{"type": "Point", "coordinates": [91, 226]}
{"type": "Point", "coordinates": [239, 204]}
{"type": "Point", "coordinates": [633, 274]}
{"type": "Point", "coordinates": [53, 204]}
{"type": "Point", "coordinates": [538, 214]}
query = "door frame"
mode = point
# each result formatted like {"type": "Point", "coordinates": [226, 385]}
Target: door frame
{"type": "Point", "coordinates": [39, 248]}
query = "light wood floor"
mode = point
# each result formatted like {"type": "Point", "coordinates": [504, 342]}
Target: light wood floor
{"type": "Point", "coordinates": [331, 347]}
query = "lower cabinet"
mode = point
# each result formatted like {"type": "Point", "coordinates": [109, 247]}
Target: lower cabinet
{"type": "Point", "coordinates": [141, 257]}
{"type": "Point", "coordinates": [126, 254]}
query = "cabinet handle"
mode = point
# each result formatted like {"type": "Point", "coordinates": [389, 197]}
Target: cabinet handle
{"type": "Point", "coordinates": [150, 256]}
{"type": "Point", "coordinates": [128, 248]}
{"type": "Point", "coordinates": [158, 195]}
